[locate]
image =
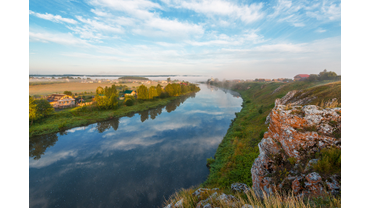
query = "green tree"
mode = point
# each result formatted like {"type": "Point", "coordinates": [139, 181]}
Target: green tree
{"type": "Point", "coordinates": [32, 110]}
{"type": "Point", "coordinates": [39, 109]}
{"type": "Point", "coordinates": [44, 108]}
{"type": "Point", "coordinates": [142, 93]}
{"type": "Point", "coordinates": [129, 101]}
{"type": "Point", "coordinates": [67, 93]}
{"type": "Point", "coordinates": [325, 75]}
{"type": "Point", "coordinates": [170, 90]}
{"type": "Point", "coordinates": [168, 79]}
{"type": "Point", "coordinates": [159, 89]}
{"type": "Point", "coordinates": [313, 77]}
{"type": "Point", "coordinates": [152, 92]}
{"type": "Point", "coordinates": [99, 90]}
{"type": "Point", "coordinates": [106, 98]}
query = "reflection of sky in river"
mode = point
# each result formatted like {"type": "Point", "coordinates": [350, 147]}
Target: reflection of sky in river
{"type": "Point", "coordinates": [139, 163]}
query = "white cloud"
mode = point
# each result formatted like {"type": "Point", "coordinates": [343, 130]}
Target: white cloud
{"type": "Point", "coordinates": [246, 13]}
{"type": "Point", "coordinates": [145, 21]}
{"type": "Point", "coordinates": [320, 30]}
{"type": "Point", "coordinates": [98, 26]}
{"type": "Point", "coordinates": [328, 12]}
{"type": "Point", "coordinates": [53, 18]}
{"type": "Point", "coordinates": [60, 38]}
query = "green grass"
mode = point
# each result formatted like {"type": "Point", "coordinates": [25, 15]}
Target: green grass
{"type": "Point", "coordinates": [82, 116]}
{"type": "Point", "coordinates": [239, 148]}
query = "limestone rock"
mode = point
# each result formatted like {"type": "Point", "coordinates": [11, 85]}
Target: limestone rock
{"type": "Point", "coordinates": [310, 164]}
{"type": "Point", "coordinates": [226, 198]}
{"type": "Point", "coordinates": [200, 191]}
{"type": "Point", "coordinates": [239, 187]}
{"type": "Point", "coordinates": [207, 206]}
{"type": "Point", "coordinates": [168, 206]}
{"type": "Point", "coordinates": [179, 203]}
{"type": "Point", "coordinates": [294, 135]}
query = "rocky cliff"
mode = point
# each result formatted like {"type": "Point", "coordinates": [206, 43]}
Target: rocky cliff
{"type": "Point", "coordinates": [300, 152]}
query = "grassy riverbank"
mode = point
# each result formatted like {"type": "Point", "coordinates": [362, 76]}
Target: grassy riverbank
{"type": "Point", "coordinates": [239, 148]}
{"type": "Point", "coordinates": [82, 116]}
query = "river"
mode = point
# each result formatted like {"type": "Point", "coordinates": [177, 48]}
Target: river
{"type": "Point", "coordinates": [132, 161]}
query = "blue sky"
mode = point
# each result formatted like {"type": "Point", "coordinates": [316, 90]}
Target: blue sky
{"type": "Point", "coordinates": [219, 38]}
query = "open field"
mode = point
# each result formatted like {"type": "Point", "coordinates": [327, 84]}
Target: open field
{"type": "Point", "coordinates": [76, 87]}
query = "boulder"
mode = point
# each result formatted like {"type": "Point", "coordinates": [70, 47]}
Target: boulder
{"type": "Point", "coordinates": [200, 191]}
{"type": "Point", "coordinates": [239, 187]}
{"type": "Point", "coordinates": [295, 134]}
{"type": "Point", "coordinates": [168, 206]}
{"type": "Point", "coordinates": [179, 203]}
{"type": "Point", "coordinates": [226, 198]}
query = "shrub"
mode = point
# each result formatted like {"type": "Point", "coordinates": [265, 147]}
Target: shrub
{"type": "Point", "coordinates": [210, 161]}
{"type": "Point", "coordinates": [129, 102]}
{"type": "Point", "coordinates": [329, 161]}
{"type": "Point", "coordinates": [292, 160]}
{"type": "Point", "coordinates": [262, 134]}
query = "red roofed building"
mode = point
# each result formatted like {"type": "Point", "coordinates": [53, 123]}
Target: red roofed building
{"type": "Point", "coordinates": [301, 77]}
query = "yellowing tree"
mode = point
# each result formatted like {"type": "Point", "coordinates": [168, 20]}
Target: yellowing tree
{"type": "Point", "coordinates": [142, 93]}
{"type": "Point", "coordinates": [152, 92]}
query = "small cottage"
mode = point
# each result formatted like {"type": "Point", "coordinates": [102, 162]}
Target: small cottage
{"type": "Point", "coordinates": [61, 100]}
{"type": "Point", "coordinates": [129, 92]}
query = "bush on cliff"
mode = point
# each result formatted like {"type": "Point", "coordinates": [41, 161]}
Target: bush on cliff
{"type": "Point", "coordinates": [329, 161]}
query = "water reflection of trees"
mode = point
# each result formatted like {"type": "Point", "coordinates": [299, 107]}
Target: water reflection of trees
{"type": "Point", "coordinates": [39, 144]}
{"type": "Point", "coordinates": [171, 106]}
{"type": "Point", "coordinates": [105, 125]}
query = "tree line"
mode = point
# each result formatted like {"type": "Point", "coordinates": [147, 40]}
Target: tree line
{"type": "Point", "coordinates": [144, 93]}
{"type": "Point", "coordinates": [324, 75]}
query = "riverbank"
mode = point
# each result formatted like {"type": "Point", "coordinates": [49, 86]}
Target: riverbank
{"type": "Point", "coordinates": [238, 150]}
{"type": "Point", "coordinates": [83, 116]}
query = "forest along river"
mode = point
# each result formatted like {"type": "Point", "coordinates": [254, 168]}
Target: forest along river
{"type": "Point", "coordinates": [133, 161]}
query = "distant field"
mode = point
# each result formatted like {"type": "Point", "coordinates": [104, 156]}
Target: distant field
{"type": "Point", "coordinates": [75, 87]}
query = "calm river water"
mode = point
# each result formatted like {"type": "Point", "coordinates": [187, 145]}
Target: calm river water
{"type": "Point", "coordinates": [133, 161]}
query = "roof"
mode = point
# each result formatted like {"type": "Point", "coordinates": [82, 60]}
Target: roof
{"type": "Point", "coordinates": [54, 97]}
{"type": "Point", "coordinates": [302, 75]}
{"type": "Point", "coordinates": [128, 91]}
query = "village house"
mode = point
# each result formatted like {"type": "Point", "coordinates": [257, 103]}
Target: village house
{"type": "Point", "coordinates": [301, 77]}
{"type": "Point", "coordinates": [61, 100]}
{"type": "Point", "coordinates": [129, 93]}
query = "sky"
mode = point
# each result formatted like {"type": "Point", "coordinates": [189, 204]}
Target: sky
{"type": "Point", "coordinates": [218, 38]}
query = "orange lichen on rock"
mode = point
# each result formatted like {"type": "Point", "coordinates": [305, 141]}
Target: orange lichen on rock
{"type": "Point", "coordinates": [294, 135]}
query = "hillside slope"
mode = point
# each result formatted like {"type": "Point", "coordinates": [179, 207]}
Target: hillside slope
{"type": "Point", "coordinates": [239, 148]}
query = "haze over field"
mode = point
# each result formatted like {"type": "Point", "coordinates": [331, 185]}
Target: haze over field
{"type": "Point", "coordinates": [224, 39]}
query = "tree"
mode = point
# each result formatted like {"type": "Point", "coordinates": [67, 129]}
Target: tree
{"type": "Point", "coordinates": [32, 110]}
{"type": "Point", "coordinates": [168, 79]}
{"type": "Point", "coordinates": [142, 93]}
{"type": "Point", "coordinates": [99, 90]}
{"type": "Point", "coordinates": [313, 77]}
{"type": "Point", "coordinates": [106, 98]}
{"type": "Point", "coordinates": [159, 90]}
{"type": "Point", "coordinates": [129, 101]}
{"type": "Point", "coordinates": [67, 93]}
{"type": "Point", "coordinates": [325, 75]}
{"type": "Point", "coordinates": [39, 109]}
{"type": "Point", "coordinates": [44, 108]}
{"type": "Point", "coordinates": [170, 90]}
{"type": "Point", "coordinates": [152, 92]}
